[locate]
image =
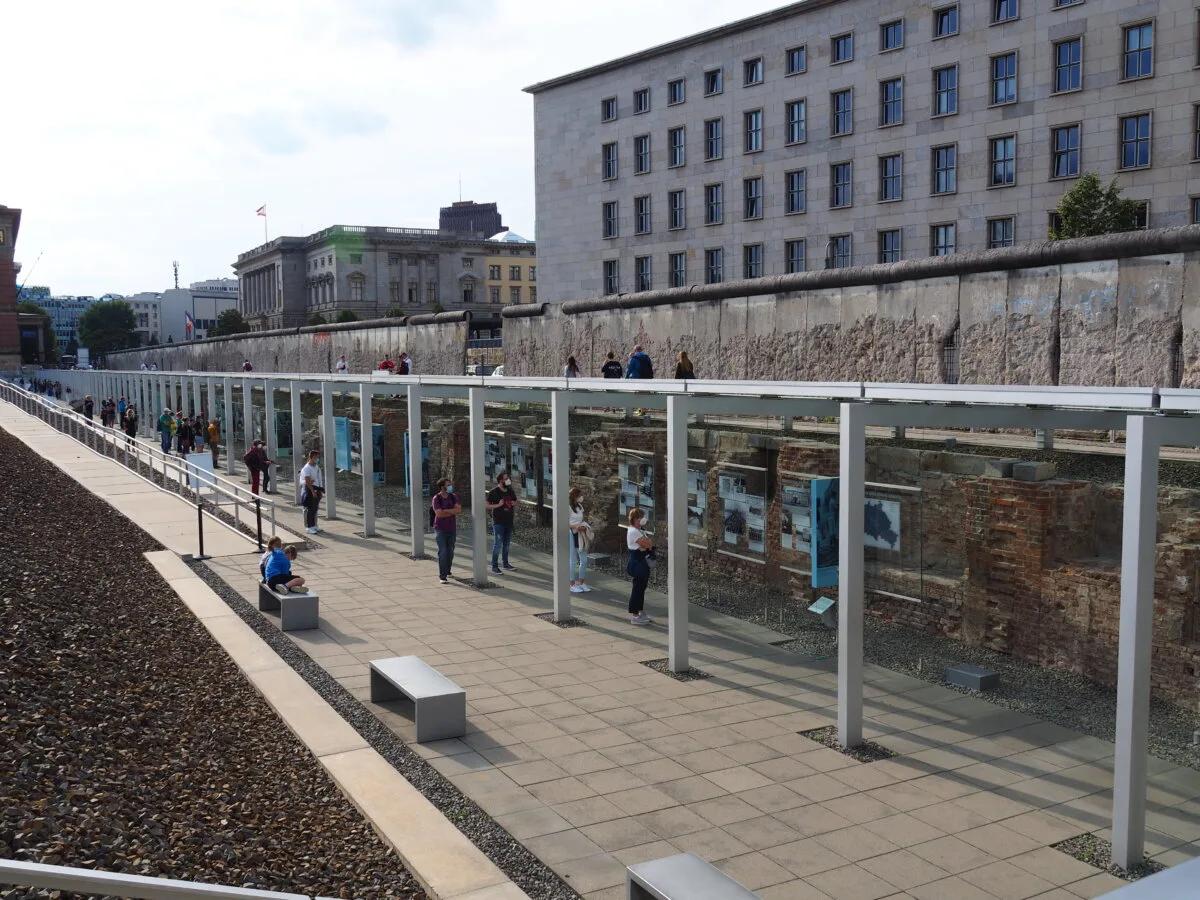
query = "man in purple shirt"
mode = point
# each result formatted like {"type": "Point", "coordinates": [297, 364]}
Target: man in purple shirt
{"type": "Point", "coordinates": [444, 511]}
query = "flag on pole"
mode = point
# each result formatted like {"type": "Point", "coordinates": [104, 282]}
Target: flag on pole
{"type": "Point", "coordinates": [189, 325]}
{"type": "Point", "coordinates": [261, 211]}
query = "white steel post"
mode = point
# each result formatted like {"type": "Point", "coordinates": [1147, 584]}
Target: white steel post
{"type": "Point", "coordinates": [227, 425]}
{"type": "Point", "coordinates": [479, 517]}
{"type": "Point", "coordinates": [366, 452]}
{"type": "Point", "coordinates": [416, 495]}
{"type": "Point", "coordinates": [328, 450]}
{"type": "Point", "coordinates": [1138, 538]}
{"type": "Point", "coordinates": [852, 447]}
{"type": "Point", "coordinates": [677, 533]}
{"type": "Point", "coordinates": [560, 453]}
{"type": "Point", "coordinates": [185, 395]}
{"type": "Point", "coordinates": [271, 437]}
{"type": "Point", "coordinates": [247, 413]}
{"type": "Point", "coordinates": [212, 400]}
{"type": "Point", "coordinates": [298, 448]}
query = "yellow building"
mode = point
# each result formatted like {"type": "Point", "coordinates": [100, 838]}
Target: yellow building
{"type": "Point", "coordinates": [512, 270]}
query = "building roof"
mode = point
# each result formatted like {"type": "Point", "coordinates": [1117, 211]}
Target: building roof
{"type": "Point", "coordinates": [510, 237]}
{"type": "Point", "coordinates": [702, 37]}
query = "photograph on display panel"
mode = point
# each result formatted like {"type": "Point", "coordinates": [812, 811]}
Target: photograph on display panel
{"type": "Point", "coordinates": [547, 471]}
{"type": "Point", "coordinates": [495, 460]}
{"type": "Point", "coordinates": [522, 471]}
{"type": "Point", "coordinates": [637, 486]}
{"type": "Point", "coordinates": [743, 509]}
{"type": "Point", "coordinates": [697, 501]}
{"type": "Point", "coordinates": [795, 528]}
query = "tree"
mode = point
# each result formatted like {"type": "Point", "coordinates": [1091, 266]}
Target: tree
{"type": "Point", "coordinates": [317, 319]}
{"type": "Point", "coordinates": [1089, 209]}
{"type": "Point", "coordinates": [108, 325]}
{"type": "Point", "coordinates": [346, 315]}
{"type": "Point", "coordinates": [395, 312]}
{"type": "Point", "coordinates": [230, 321]}
{"type": "Point", "coordinates": [437, 307]}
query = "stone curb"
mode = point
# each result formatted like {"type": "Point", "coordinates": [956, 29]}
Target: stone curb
{"type": "Point", "coordinates": [447, 865]}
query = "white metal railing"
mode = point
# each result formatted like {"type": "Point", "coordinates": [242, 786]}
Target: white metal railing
{"type": "Point", "coordinates": [178, 474]}
{"type": "Point", "coordinates": [118, 884]}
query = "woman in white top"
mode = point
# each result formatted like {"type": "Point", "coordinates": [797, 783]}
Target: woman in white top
{"type": "Point", "coordinates": [571, 369]}
{"type": "Point", "coordinates": [581, 537]}
{"type": "Point", "coordinates": [640, 547]}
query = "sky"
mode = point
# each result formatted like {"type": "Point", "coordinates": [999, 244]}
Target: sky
{"type": "Point", "coordinates": [138, 133]}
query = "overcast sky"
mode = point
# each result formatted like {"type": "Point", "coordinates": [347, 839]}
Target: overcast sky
{"type": "Point", "coordinates": [138, 133]}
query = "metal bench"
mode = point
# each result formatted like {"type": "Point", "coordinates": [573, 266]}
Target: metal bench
{"type": "Point", "coordinates": [682, 877]}
{"type": "Point", "coordinates": [439, 705]}
{"type": "Point", "coordinates": [297, 612]}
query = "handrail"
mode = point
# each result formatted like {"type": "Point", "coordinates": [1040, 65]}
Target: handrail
{"type": "Point", "coordinates": [120, 884]}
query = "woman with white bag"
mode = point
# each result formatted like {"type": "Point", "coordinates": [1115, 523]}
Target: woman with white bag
{"type": "Point", "coordinates": [581, 539]}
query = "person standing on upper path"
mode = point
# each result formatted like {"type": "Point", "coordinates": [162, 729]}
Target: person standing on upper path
{"type": "Point", "coordinates": [342, 367]}
{"type": "Point", "coordinates": [166, 426]}
{"type": "Point", "coordinates": [443, 512]}
{"type": "Point", "coordinates": [406, 364]}
{"type": "Point", "coordinates": [130, 423]}
{"type": "Point", "coordinates": [387, 365]}
{"type": "Point", "coordinates": [571, 369]}
{"type": "Point", "coordinates": [683, 367]}
{"type": "Point", "coordinates": [89, 407]}
{"type": "Point", "coordinates": [184, 432]}
{"type": "Point", "coordinates": [122, 405]}
{"type": "Point", "coordinates": [640, 365]}
{"type": "Point", "coordinates": [581, 538]}
{"type": "Point", "coordinates": [247, 367]}
{"type": "Point", "coordinates": [641, 550]}
{"type": "Point", "coordinates": [310, 487]}
{"type": "Point", "coordinates": [214, 441]}
{"type": "Point", "coordinates": [502, 501]}
{"type": "Point", "coordinates": [612, 368]}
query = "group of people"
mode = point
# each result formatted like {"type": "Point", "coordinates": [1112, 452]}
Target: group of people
{"type": "Point", "coordinates": [119, 413]}
{"type": "Point", "coordinates": [152, 367]}
{"type": "Point", "coordinates": [401, 366]}
{"type": "Point", "coordinates": [188, 433]}
{"type": "Point", "coordinates": [639, 365]}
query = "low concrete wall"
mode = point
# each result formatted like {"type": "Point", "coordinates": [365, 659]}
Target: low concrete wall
{"type": "Point", "coordinates": [437, 343]}
{"type": "Point", "coordinates": [1117, 310]}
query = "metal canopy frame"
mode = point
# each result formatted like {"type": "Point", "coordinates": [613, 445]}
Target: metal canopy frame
{"type": "Point", "coordinates": [1150, 417]}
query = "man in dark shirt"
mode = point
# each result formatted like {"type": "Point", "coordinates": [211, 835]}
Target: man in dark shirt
{"type": "Point", "coordinates": [612, 368]}
{"type": "Point", "coordinates": [444, 510]}
{"type": "Point", "coordinates": [502, 501]}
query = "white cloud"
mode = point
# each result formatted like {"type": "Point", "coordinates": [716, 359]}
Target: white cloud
{"type": "Point", "coordinates": [139, 133]}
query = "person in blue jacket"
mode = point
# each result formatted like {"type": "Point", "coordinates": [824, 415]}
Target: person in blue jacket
{"type": "Point", "coordinates": [279, 570]}
{"type": "Point", "coordinates": [639, 365]}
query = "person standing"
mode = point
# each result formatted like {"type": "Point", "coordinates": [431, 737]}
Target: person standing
{"type": "Point", "coordinates": [581, 538]}
{"type": "Point", "coordinates": [640, 365]}
{"type": "Point", "coordinates": [406, 364]}
{"type": "Point", "coordinates": [311, 488]}
{"type": "Point", "coordinates": [502, 501]}
{"type": "Point", "coordinates": [214, 441]}
{"type": "Point", "coordinates": [444, 510]}
{"type": "Point", "coordinates": [247, 367]}
{"type": "Point", "coordinates": [342, 367]}
{"type": "Point", "coordinates": [571, 369]}
{"type": "Point", "coordinates": [184, 434]}
{"type": "Point", "coordinates": [122, 405]}
{"type": "Point", "coordinates": [130, 423]}
{"type": "Point", "coordinates": [612, 368]}
{"type": "Point", "coordinates": [166, 425]}
{"type": "Point", "coordinates": [640, 548]}
{"type": "Point", "coordinates": [89, 407]}
{"type": "Point", "coordinates": [683, 367]}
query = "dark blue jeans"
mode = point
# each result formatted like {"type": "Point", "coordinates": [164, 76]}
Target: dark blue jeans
{"type": "Point", "coordinates": [501, 538]}
{"type": "Point", "coordinates": [639, 571]}
{"type": "Point", "coordinates": [445, 544]}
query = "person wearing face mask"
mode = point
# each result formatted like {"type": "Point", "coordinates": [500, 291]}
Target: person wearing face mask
{"type": "Point", "coordinates": [502, 501]}
{"type": "Point", "coordinates": [443, 511]}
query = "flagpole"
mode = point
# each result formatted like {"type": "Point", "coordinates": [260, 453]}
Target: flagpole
{"type": "Point", "coordinates": [265, 238]}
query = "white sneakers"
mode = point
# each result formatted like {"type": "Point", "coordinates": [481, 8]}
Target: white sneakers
{"type": "Point", "coordinates": [312, 530]}
{"type": "Point", "coordinates": [641, 619]}
{"type": "Point", "coordinates": [576, 589]}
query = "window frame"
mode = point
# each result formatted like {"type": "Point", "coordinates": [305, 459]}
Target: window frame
{"type": "Point", "coordinates": [640, 157]}
{"type": "Point", "coordinates": [1054, 67]}
{"type": "Point", "coordinates": [933, 230]}
{"type": "Point", "coordinates": [672, 163]}
{"type": "Point", "coordinates": [747, 249]}
{"type": "Point", "coordinates": [1126, 27]}
{"type": "Point", "coordinates": [758, 133]}
{"type": "Point", "coordinates": [787, 121]}
{"type": "Point", "coordinates": [1194, 209]}
{"type": "Point", "coordinates": [677, 276]}
{"type": "Point", "coordinates": [1196, 132]}
{"type": "Point", "coordinates": [1143, 209]}
{"type": "Point", "coordinates": [643, 209]}
{"type": "Point", "coordinates": [883, 101]}
{"type": "Point", "coordinates": [946, 8]}
{"type": "Point", "coordinates": [747, 64]}
{"type": "Point", "coordinates": [1121, 141]}
{"type": "Point", "coordinates": [605, 206]}
{"type": "Point", "coordinates": [604, 117]}
{"type": "Point", "coordinates": [1016, 78]}
{"type": "Point", "coordinates": [933, 106]}
{"type": "Point", "coordinates": [899, 250]}
{"type": "Point", "coordinates": [1054, 129]}
{"type": "Point", "coordinates": [719, 121]}
{"type": "Point", "coordinates": [833, 47]}
{"type": "Point", "coordinates": [848, 237]}
{"type": "Point", "coordinates": [996, 7]}
{"type": "Point", "coordinates": [833, 112]}
{"type": "Point", "coordinates": [788, 71]}
{"type": "Point", "coordinates": [681, 83]}
{"type": "Point", "coordinates": [719, 73]}
{"type": "Point", "coordinates": [788, 256]}
{"type": "Point", "coordinates": [639, 275]}
{"type": "Point", "coordinates": [750, 199]}
{"type": "Point", "coordinates": [638, 95]}
{"type": "Point", "coordinates": [711, 253]}
{"type": "Point", "coordinates": [933, 170]}
{"type": "Point", "coordinates": [611, 276]}
{"type": "Point", "coordinates": [789, 192]}
{"type": "Point", "coordinates": [672, 209]}
{"type": "Point", "coordinates": [1012, 238]}
{"type": "Point", "coordinates": [881, 162]}
{"type": "Point", "coordinates": [992, 139]}
{"type": "Point", "coordinates": [835, 185]}
{"type": "Point", "coordinates": [720, 203]}
{"type": "Point", "coordinates": [884, 26]}
{"type": "Point", "coordinates": [604, 161]}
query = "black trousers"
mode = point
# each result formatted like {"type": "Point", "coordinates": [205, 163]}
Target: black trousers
{"type": "Point", "coordinates": [312, 502]}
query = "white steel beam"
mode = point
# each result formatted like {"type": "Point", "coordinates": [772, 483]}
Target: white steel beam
{"type": "Point", "coordinates": [366, 452]}
{"type": "Point", "coordinates": [479, 548]}
{"type": "Point", "coordinates": [271, 437]}
{"type": "Point", "coordinates": [677, 533]}
{"type": "Point", "coordinates": [560, 451]}
{"type": "Point", "coordinates": [328, 450]}
{"type": "Point", "coordinates": [298, 449]}
{"type": "Point", "coordinates": [247, 413]}
{"type": "Point", "coordinates": [851, 475]}
{"type": "Point", "coordinates": [416, 478]}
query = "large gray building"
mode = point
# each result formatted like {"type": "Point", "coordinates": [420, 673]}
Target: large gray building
{"type": "Point", "coordinates": [848, 132]}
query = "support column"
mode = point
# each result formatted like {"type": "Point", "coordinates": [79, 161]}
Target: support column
{"type": "Point", "coordinates": [852, 447]}
{"type": "Point", "coordinates": [328, 450]}
{"type": "Point", "coordinates": [298, 448]}
{"type": "Point", "coordinates": [247, 413]}
{"type": "Point", "coordinates": [416, 497]}
{"type": "Point", "coordinates": [211, 388]}
{"type": "Point", "coordinates": [227, 425]}
{"type": "Point", "coordinates": [366, 444]}
{"type": "Point", "coordinates": [1138, 535]}
{"type": "Point", "coordinates": [1044, 438]}
{"type": "Point", "coordinates": [479, 549]}
{"type": "Point", "coordinates": [560, 451]}
{"type": "Point", "coordinates": [185, 395]}
{"type": "Point", "coordinates": [677, 533]}
{"type": "Point", "coordinates": [271, 437]}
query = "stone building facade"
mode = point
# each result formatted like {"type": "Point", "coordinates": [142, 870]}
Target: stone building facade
{"type": "Point", "coordinates": [841, 132]}
{"type": "Point", "coordinates": [10, 340]}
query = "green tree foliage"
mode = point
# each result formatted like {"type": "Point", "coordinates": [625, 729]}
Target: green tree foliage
{"type": "Point", "coordinates": [437, 307]}
{"type": "Point", "coordinates": [317, 319]}
{"type": "Point", "coordinates": [395, 312]}
{"type": "Point", "coordinates": [1089, 209]}
{"type": "Point", "coordinates": [107, 326]}
{"type": "Point", "coordinates": [346, 315]}
{"type": "Point", "coordinates": [229, 321]}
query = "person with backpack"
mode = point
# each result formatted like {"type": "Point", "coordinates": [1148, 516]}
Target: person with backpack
{"type": "Point", "coordinates": [612, 368]}
{"type": "Point", "coordinates": [443, 516]}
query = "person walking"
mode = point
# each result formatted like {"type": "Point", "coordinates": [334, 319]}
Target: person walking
{"type": "Point", "coordinates": [683, 367]}
{"type": "Point", "coordinates": [641, 550]}
{"type": "Point", "coordinates": [502, 501]}
{"type": "Point", "coordinates": [342, 367]}
{"type": "Point", "coordinates": [443, 511]}
{"type": "Point", "coordinates": [265, 466]}
{"type": "Point", "coordinates": [640, 365]}
{"type": "Point", "coordinates": [214, 441]}
{"type": "Point", "coordinates": [612, 368]}
{"type": "Point", "coordinates": [130, 423]}
{"type": "Point", "coordinates": [581, 539]}
{"type": "Point", "coordinates": [571, 369]}
{"type": "Point", "coordinates": [89, 407]}
{"type": "Point", "coordinates": [310, 488]}
{"type": "Point", "coordinates": [122, 405]}
{"type": "Point", "coordinates": [165, 428]}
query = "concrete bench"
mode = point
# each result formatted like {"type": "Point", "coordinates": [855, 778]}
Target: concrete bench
{"type": "Point", "coordinates": [682, 877]}
{"type": "Point", "coordinates": [297, 612]}
{"type": "Point", "coordinates": [439, 705]}
{"type": "Point", "coordinates": [972, 677]}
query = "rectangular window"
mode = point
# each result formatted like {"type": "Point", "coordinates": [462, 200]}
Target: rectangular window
{"type": "Point", "coordinates": [1196, 210]}
{"type": "Point", "coordinates": [1002, 157]}
{"type": "Point", "coordinates": [945, 169]}
{"type": "Point", "coordinates": [842, 49]}
{"type": "Point", "coordinates": [841, 185]}
{"type": "Point", "coordinates": [891, 102]}
{"type": "Point", "coordinates": [1135, 141]}
{"type": "Point", "coordinates": [841, 107]}
{"type": "Point", "coordinates": [1139, 51]}
{"type": "Point", "coordinates": [612, 276]}
{"type": "Point", "coordinates": [752, 197]}
{"type": "Point", "coordinates": [796, 60]}
{"type": "Point", "coordinates": [714, 139]}
{"type": "Point", "coordinates": [714, 82]}
{"type": "Point", "coordinates": [514, 294]}
{"type": "Point", "coordinates": [795, 185]}
{"type": "Point", "coordinates": [1196, 132]}
{"type": "Point", "coordinates": [1141, 219]}
{"type": "Point", "coordinates": [1064, 151]}
{"type": "Point", "coordinates": [676, 92]}
{"type": "Point", "coordinates": [494, 273]}
{"type": "Point", "coordinates": [1004, 10]}
{"type": "Point", "coordinates": [945, 90]}
{"type": "Point", "coordinates": [641, 215]}
{"type": "Point", "coordinates": [797, 121]}
{"type": "Point", "coordinates": [714, 265]}
{"type": "Point", "coordinates": [794, 253]}
{"type": "Point", "coordinates": [752, 261]}
{"type": "Point", "coordinates": [840, 251]}
{"type": "Point", "coordinates": [641, 154]}
{"type": "Point", "coordinates": [752, 122]}
{"type": "Point", "coordinates": [641, 101]}
{"type": "Point", "coordinates": [945, 21]}
{"type": "Point", "coordinates": [533, 273]}
{"type": "Point", "coordinates": [1068, 65]}
{"type": "Point", "coordinates": [1000, 232]}
{"type": "Point", "coordinates": [889, 245]}
{"type": "Point", "coordinates": [677, 263]}
{"type": "Point", "coordinates": [943, 239]}
{"type": "Point", "coordinates": [532, 294]}
{"type": "Point", "coordinates": [1059, 4]}
{"type": "Point", "coordinates": [676, 147]}
{"type": "Point", "coordinates": [891, 177]}
{"type": "Point", "coordinates": [891, 36]}
{"type": "Point", "coordinates": [752, 71]}
{"type": "Point", "coordinates": [642, 273]}
{"type": "Point", "coordinates": [714, 204]}
{"type": "Point", "coordinates": [677, 203]}
{"type": "Point", "coordinates": [514, 273]}
{"type": "Point", "coordinates": [608, 162]}
{"type": "Point", "coordinates": [610, 218]}
{"type": "Point", "coordinates": [356, 259]}
{"type": "Point", "coordinates": [608, 109]}
{"type": "Point", "coordinates": [1004, 78]}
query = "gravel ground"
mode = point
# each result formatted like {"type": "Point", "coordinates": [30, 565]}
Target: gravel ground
{"type": "Point", "coordinates": [128, 740]}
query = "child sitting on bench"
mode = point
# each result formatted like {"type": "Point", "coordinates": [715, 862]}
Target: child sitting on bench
{"type": "Point", "coordinates": [279, 571]}
{"type": "Point", "coordinates": [275, 543]}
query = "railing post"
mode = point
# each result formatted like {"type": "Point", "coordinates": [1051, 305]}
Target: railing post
{"type": "Point", "coordinates": [258, 522]}
{"type": "Point", "coordinates": [200, 526]}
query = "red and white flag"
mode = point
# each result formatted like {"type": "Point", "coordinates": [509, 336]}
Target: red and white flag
{"type": "Point", "coordinates": [261, 211]}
